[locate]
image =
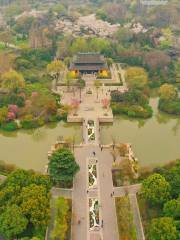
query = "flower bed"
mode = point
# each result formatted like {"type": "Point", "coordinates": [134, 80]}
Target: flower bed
{"type": "Point", "coordinates": [92, 172]}
{"type": "Point", "coordinates": [94, 214]}
{"type": "Point", "coordinates": [91, 131]}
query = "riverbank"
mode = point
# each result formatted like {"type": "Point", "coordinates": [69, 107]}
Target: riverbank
{"type": "Point", "coordinates": [155, 141]}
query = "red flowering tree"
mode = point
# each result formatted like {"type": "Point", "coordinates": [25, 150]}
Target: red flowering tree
{"type": "Point", "coordinates": [13, 108]}
{"type": "Point", "coordinates": [11, 116]}
{"type": "Point", "coordinates": [105, 102]}
{"type": "Point", "coordinates": [34, 94]}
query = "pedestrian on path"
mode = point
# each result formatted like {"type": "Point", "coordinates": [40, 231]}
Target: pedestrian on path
{"type": "Point", "coordinates": [111, 194]}
{"type": "Point", "coordinates": [87, 191]}
{"type": "Point", "coordinates": [94, 154]}
{"type": "Point", "coordinates": [102, 223]}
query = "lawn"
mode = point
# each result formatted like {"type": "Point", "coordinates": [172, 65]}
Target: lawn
{"type": "Point", "coordinates": [125, 219]}
{"type": "Point", "coordinates": [53, 216]}
{"type": "Point", "coordinates": [22, 43]}
{"type": "Point", "coordinates": [2, 46]}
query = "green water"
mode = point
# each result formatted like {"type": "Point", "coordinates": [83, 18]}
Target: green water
{"type": "Point", "coordinates": [28, 149]}
{"type": "Point", "coordinates": [155, 141]}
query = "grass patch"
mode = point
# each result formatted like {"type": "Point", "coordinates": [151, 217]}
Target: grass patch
{"type": "Point", "coordinates": [22, 43]}
{"type": "Point", "coordinates": [125, 219]}
{"type": "Point", "coordinates": [61, 215]}
{"type": "Point", "coordinates": [2, 46]}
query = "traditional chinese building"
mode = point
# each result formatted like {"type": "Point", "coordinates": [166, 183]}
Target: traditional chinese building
{"type": "Point", "coordinates": [89, 63]}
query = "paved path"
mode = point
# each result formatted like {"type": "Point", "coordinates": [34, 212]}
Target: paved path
{"type": "Point", "coordinates": [105, 188]}
{"type": "Point", "coordinates": [131, 189]}
{"type": "Point", "coordinates": [80, 207]}
{"type": "Point", "coordinates": [61, 192]}
{"type": "Point", "coordinates": [136, 217]}
{"type": "Point", "coordinates": [108, 210]}
{"type": "Point", "coordinates": [91, 109]}
{"type": "Point", "coordinates": [10, 45]}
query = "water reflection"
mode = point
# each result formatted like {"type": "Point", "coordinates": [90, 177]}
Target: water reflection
{"type": "Point", "coordinates": [155, 141]}
{"type": "Point", "coordinates": [28, 148]}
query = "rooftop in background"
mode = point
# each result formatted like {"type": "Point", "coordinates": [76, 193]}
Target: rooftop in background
{"type": "Point", "coordinates": [89, 58]}
{"type": "Point", "coordinates": [88, 63]}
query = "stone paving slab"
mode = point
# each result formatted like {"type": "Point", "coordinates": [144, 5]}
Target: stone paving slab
{"type": "Point", "coordinates": [60, 192]}
{"type": "Point", "coordinates": [95, 236]}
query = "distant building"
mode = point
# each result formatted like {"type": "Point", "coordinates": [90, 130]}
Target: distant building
{"type": "Point", "coordinates": [88, 63]}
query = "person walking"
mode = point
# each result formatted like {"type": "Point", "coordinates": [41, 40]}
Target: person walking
{"type": "Point", "coordinates": [102, 223]}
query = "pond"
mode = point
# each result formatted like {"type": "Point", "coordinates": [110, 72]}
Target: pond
{"type": "Point", "coordinates": [28, 149]}
{"type": "Point", "coordinates": [156, 141]}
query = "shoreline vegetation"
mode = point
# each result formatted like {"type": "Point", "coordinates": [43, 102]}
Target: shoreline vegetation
{"type": "Point", "coordinates": [133, 103]}
{"type": "Point", "coordinates": [159, 202]}
{"type": "Point", "coordinates": [27, 194]}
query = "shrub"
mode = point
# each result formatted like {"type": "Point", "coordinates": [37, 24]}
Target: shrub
{"type": "Point", "coordinates": [170, 106]}
{"type": "Point", "coordinates": [132, 110]}
{"type": "Point", "coordinates": [23, 64]}
{"type": "Point", "coordinates": [12, 98]}
{"type": "Point", "coordinates": [10, 126]}
{"type": "Point", "coordinates": [28, 122]}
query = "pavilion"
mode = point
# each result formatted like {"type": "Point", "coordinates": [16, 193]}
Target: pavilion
{"type": "Point", "coordinates": [89, 63]}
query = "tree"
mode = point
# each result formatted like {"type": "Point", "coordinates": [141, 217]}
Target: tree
{"type": "Point", "coordinates": [61, 214]}
{"type": "Point", "coordinates": [173, 177]}
{"type": "Point", "coordinates": [12, 222]}
{"type": "Point", "coordinates": [62, 166]}
{"type": "Point", "coordinates": [172, 208]}
{"type": "Point", "coordinates": [56, 69]}
{"type": "Point", "coordinates": [168, 92]}
{"type": "Point", "coordinates": [23, 25]}
{"type": "Point", "coordinates": [34, 202]}
{"type": "Point", "coordinates": [3, 114]}
{"type": "Point", "coordinates": [124, 36]}
{"type": "Point", "coordinates": [22, 178]}
{"type": "Point", "coordinates": [162, 228]}
{"type": "Point", "coordinates": [79, 45]}
{"type": "Point", "coordinates": [100, 13]}
{"type": "Point", "coordinates": [116, 12]}
{"type": "Point", "coordinates": [6, 37]}
{"type": "Point", "coordinates": [105, 102]}
{"type": "Point", "coordinates": [156, 189]}
{"type": "Point", "coordinates": [156, 59]}
{"type": "Point", "coordinates": [12, 80]}
{"type": "Point", "coordinates": [81, 84]}
{"type": "Point", "coordinates": [136, 77]}
{"type": "Point", "coordinates": [97, 85]}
